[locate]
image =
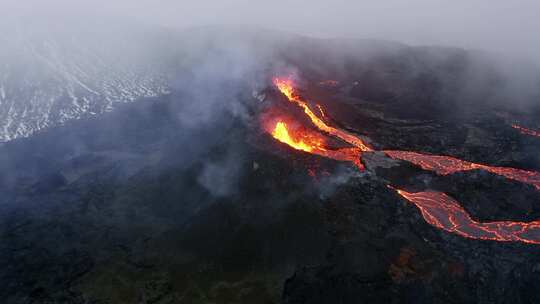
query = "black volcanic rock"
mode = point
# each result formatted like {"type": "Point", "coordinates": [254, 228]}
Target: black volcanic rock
{"type": "Point", "coordinates": [167, 201]}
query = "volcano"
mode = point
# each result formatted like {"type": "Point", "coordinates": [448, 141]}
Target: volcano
{"type": "Point", "coordinates": [285, 169]}
{"type": "Point", "coordinates": [438, 209]}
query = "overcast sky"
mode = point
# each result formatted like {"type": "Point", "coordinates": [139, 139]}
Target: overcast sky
{"type": "Point", "coordinates": [505, 26]}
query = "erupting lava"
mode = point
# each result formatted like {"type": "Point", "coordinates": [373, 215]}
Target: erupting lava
{"type": "Point", "coordinates": [286, 86]}
{"type": "Point", "coordinates": [306, 143]}
{"type": "Point", "coordinates": [442, 211]}
{"type": "Point", "coordinates": [314, 143]}
{"type": "Point", "coordinates": [526, 131]}
{"type": "Point", "coordinates": [438, 209]}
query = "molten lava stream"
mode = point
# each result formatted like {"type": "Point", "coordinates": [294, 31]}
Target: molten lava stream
{"type": "Point", "coordinates": [526, 131]}
{"type": "Point", "coordinates": [437, 208]}
{"type": "Point", "coordinates": [286, 86]}
{"type": "Point", "coordinates": [445, 165]}
{"type": "Point", "coordinates": [314, 143]}
{"type": "Point", "coordinates": [442, 211]}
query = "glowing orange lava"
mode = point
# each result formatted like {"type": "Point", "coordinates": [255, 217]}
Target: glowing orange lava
{"type": "Point", "coordinates": [438, 209]}
{"type": "Point", "coordinates": [442, 211]}
{"type": "Point", "coordinates": [445, 165]}
{"type": "Point", "coordinates": [306, 142]}
{"type": "Point", "coordinates": [526, 131]}
{"type": "Point", "coordinates": [286, 86]}
{"type": "Point", "coordinates": [321, 110]}
{"type": "Point", "coordinates": [314, 143]}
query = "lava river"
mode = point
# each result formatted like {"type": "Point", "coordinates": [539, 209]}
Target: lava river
{"type": "Point", "coordinates": [444, 165]}
{"type": "Point", "coordinates": [438, 209]}
{"type": "Point", "coordinates": [286, 86]}
{"type": "Point", "coordinates": [526, 131]}
{"type": "Point", "coordinates": [442, 211]}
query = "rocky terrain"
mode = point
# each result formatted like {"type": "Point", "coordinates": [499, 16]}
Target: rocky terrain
{"type": "Point", "coordinates": [184, 198]}
{"type": "Point", "coordinates": [51, 74]}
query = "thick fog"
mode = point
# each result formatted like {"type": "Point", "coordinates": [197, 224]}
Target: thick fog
{"type": "Point", "coordinates": [507, 27]}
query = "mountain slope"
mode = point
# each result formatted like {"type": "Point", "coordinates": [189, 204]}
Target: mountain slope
{"type": "Point", "coordinates": [50, 75]}
{"type": "Point", "coordinates": [185, 198]}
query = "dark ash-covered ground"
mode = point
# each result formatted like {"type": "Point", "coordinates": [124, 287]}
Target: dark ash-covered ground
{"type": "Point", "coordinates": [143, 206]}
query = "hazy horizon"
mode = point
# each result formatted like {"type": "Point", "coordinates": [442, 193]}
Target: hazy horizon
{"type": "Point", "coordinates": [500, 27]}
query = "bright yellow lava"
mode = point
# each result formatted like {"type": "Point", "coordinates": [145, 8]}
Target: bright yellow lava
{"type": "Point", "coordinates": [281, 133]}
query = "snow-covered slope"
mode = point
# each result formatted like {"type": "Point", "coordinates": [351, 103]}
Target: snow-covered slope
{"type": "Point", "coordinates": [49, 75]}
